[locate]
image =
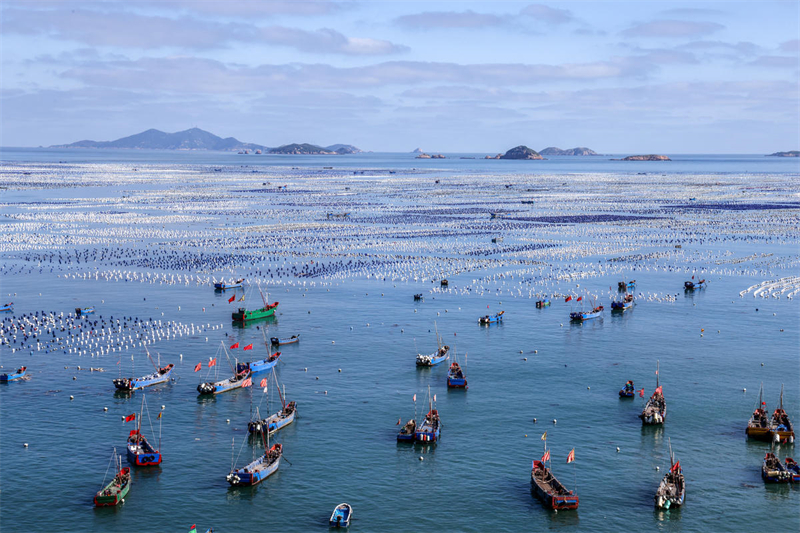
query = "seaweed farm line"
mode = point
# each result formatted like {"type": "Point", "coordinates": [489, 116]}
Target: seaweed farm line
{"type": "Point", "coordinates": [109, 263]}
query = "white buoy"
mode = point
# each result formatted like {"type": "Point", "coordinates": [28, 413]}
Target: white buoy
{"type": "Point", "coordinates": [617, 449]}
{"type": "Point", "coordinates": [554, 421]}
{"type": "Point", "coordinates": [227, 420]}
{"type": "Point", "coordinates": [105, 408]}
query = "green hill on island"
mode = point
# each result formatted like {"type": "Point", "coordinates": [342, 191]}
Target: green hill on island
{"type": "Point", "coordinates": [518, 152]}
{"type": "Point", "coordinates": [581, 150]}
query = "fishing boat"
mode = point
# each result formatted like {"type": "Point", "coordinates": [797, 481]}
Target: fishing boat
{"type": "Point", "coordinates": [488, 319]}
{"type": "Point", "coordinates": [580, 316]}
{"type": "Point", "coordinates": [259, 366]}
{"type": "Point", "coordinates": [290, 340]}
{"type": "Point", "coordinates": [541, 304]}
{"type": "Point", "coordinates": [627, 391]}
{"type": "Point", "coordinates": [444, 283]}
{"type": "Point", "coordinates": [407, 432]}
{"type": "Point", "coordinates": [692, 285]}
{"type": "Point", "coordinates": [140, 451]}
{"type": "Point", "coordinates": [793, 468]}
{"type": "Point", "coordinates": [279, 420]}
{"type": "Point", "coordinates": [243, 315]}
{"type": "Point", "coordinates": [780, 426]}
{"type": "Point", "coordinates": [626, 285]}
{"type": "Point", "coordinates": [773, 471]}
{"type": "Point", "coordinates": [84, 311]}
{"type": "Point", "coordinates": [672, 489]}
{"type": "Point", "coordinates": [758, 425]}
{"type": "Point", "coordinates": [655, 410]}
{"type": "Point", "coordinates": [441, 354]}
{"type": "Point", "coordinates": [115, 492]}
{"type": "Point", "coordinates": [19, 374]}
{"type": "Point", "coordinates": [340, 517]}
{"type": "Point", "coordinates": [7, 307]}
{"type": "Point", "coordinates": [623, 305]}
{"type": "Point", "coordinates": [418, 297]}
{"type": "Point", "coordinates": [239, 378]}
{"type": "Point", "coordinates": [430, 428]}
{"type": "Point", "coordinates": [161, 375]}
{"type": "Point", "coordinates": [221, 286]}
{"type": "Point", "coordinates": [258, 470]}
{"type": "Point", "coordinates": [547, 487]}
{"type": "Point", "coordinates": [456, 378]}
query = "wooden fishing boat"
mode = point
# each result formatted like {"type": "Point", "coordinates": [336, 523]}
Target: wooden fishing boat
{"type": "Point", "coordinates": [488, 319]}
{"type": "Point", "coordinates": [161, 375]}
{"type": "Point", "coordinates": [7, 307]}
{"type": "Point", "coordinates": [408, 431]}
{"type": "Point", "coordinates": [550, 490]}
{"type": "Point", "coordinates": [243, 315]}
{"type": "Point", "coordinates": [221, 286]}
{"type": "Point", "coordinates": [580, 316]}
{"type": "Point", "coordinates": [262, 365]}
{"type": "Point", "coordinates": [672, 489]}
{"type": "Point", "coordinates": [19, 374]}
{"type": "Point", "coordinates": [628, 390]}
{"type": "Point", "coordinates": [225, 385]}
{"type": "Point", "coordinates": [140, 451]}
{"type": "Point", "coordinates": [626, 285]}
{"type": "Point", "coordinates": [340, 517]}
{"type": "Point", "coordinates": [258, 470]}
{"type": "Point", "coordinates": [84, 311]}
{"type": "Point", "coordinates": [541, 304]}
{"type": "Point", "coordinates": [441, 354]}
{"type": "Point", "coordinates": [430, 428]}
{"type": "Point", "coordinates": [780, 426]}
{"type": "Point", "coordinates": [275, 422]}
{"type": "Point", "coordinates": [692, 285]}
{"type": "Point", "coordinates": [655, 410]}
{"type": "Point", "coordinates": [623, 305]}
{"type": "Point", "coordinates": [115, 492]}
{"type": "Point", "coordinates": [758, 425]}
{"type": "Point", "coordinates": [290, 340]}
{"type": "Point", "coordinates": [793, 468]}
{"type": "Point", "coordinates": [456, 378]}
{"type": "Point", "coordinates": [773, 471]}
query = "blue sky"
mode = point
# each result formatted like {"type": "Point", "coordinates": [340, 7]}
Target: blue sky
{"type": "Point", "coordinates": [618, 77]}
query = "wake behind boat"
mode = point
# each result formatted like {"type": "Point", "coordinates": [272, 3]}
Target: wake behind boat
{"type": "Point", "coordinates": [19, 374]}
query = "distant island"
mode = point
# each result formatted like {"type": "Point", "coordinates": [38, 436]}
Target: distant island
{"type": "Point", "coordinates": [581, 150]}
{"type": "Point", "coordinates": [428, 156]}
{"type": "Point", "coordinates": [416, 151]}
{"type": "Point", "coordinates": [197, 139]}
{"type": "Point", "coordinates": [650, 157]}
{"type": "Point", "coordinates": [793, 153]}
{"type": "Point", "coordinates": [518, 152]}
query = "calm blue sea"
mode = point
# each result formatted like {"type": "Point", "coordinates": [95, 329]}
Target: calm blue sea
{"type": "Point", "coordinates": [353, 373]}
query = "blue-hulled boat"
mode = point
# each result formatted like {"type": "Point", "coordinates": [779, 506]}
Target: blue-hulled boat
{"type": "Point", "coordinates": [626, 285]}
{"type": "Point", "coordinates": [429, 430]}
{"type": "Point", "coordinates": [290, 340]}
{"type": "Point", "coordinates": [773, 471]}
{"type": "Point", "coordinates": [793, 468]}
{"type": "Point", "coordinates": [275, 422]}
{"type": "Point", "coordinates": [7, 307]}
{"type": "Point", "coordinates": [488, 319]}
{"type": "Point", "coordinates": [84, 311]}
{"type": "Point", "coordinates": [19, 374]}
{"type": "Point", "coordinates": [140, 451]}
{"type": "Point", "coordinates": [692, 285]}
{"type": "Point", "coordinates": [258, 470]}
{"type": "Point", "coordinates": [161, 375]}
{"type": "Point", "coordinates": [442, 354]}
{"type": "Point", "coordinates": [456, 379]}
{"type": "Point", "coordinates": [239, 378]}
{"type": "Point", "coordinates": [259, 366]}
{"type": "Point", "coordinates": [340, 517]}
{"type": "Point", "coordinates": [580, 316]}
{"type": "Point", "coordinates": [623, 305]}
{"type": "Point", "coordinates": [407, 432]}
{"type": "Point", "coordinates": [627, 391]}
{"type": "Point", "coordinates": [541, 304]}
{"type": "Point", "coordinates": [221, 286]}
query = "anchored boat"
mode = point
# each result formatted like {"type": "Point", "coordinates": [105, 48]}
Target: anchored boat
{"type": "Point", "coordinates": [672, 489]}
{"type": "Point", "coordinates": [161, 375]}
{"type": "Point", "coordinates": [291, 340]}
{"type": "Point", "coordinates": [429, 430]}
{"type": "Point", "coordinates": [408, 432]}
{"type": "Point", "coordinates": [793, 468]}
{"type": "Point", "coordinates": [436, 357]}
{"type": "Point", "coordinates": [259, 366]}
{"type": "Point", "coordinates": [580, 316]}
{"type": "Point", "coordinates": [547, 487]}
{"type": "Point", "coordinates": [279, 420]}
{"type": "Point", "coordinates": [623, 305]}
{"type": "Point", "coordinates": [655, 410]}
{"type": "Point", "coordinates": [488, 319]}
{"type": "Point", "coordinates": [692, 285]}
{"type": "Point", "coordinates": [456, 378]}
{"type": "Point", "coordinates": [84, 311]}
{"type": "Point", "coordinates": [626, 285]}
{"type": "Point", "coordinates": [239, 379]}
{"type": "Point", "coordinates": [773, 471]}
{"type": "Point", "coordinates": [115, 492]}
{"type": "Point", "coordinates": [140, 451]}
{"type": "Point", "coordinates": [758, 425]}
{"type": "Point", "coordinates": [221, 286]}
{"type": "Point", "coordinates": [19, 374]}
{"type": "Point", "coordinates": [243, 315]}
{"type": "Point", "coordinates": [541, 304]}
{"type": "Point", "coordinates": [7, 307]}
{"type": "Point", "coordinates": [780, 427]}
{"type": "Point", "coordinates": [340, 517]}
{"type": "Point", "coordinates": [628, 390]}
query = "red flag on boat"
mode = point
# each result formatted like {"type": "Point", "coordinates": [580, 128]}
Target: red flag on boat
{"type": "Point", "coordinates": [579, 298]}
{"type": "Point", "coordinates": [641, 393]}
{"type": "Point", "coordinates": [658, 391]}
{"type": "Point", "coordinates": [487, 307]}
{"type": "Point", "coordinates": [247, 382]}
{"type": "Point", "coordinates": [159, 414]}
{"type": "Point", "coordinates": [130, 418]}
{"type": "Point", "coordinates": [232, 298]}
{"type": "Point", "coordinates": [763, 403]}
{"type": "Point", "coordinates": [234, 345]}
{"type": "Point", "coordinates": [692, 277]}
{"type": "Point", "coordinates": [248, 347]}
{"type": "Point", "coordinates": [213, 362]}
{"type": "Point", "coordinates": [546, 456]}
{"type": "Point", "coordinates": [198, 367]}
{"type": "Point", "coordinates": [571, 456]}
{"type": "Point", "coordinates": [567, 299]}
{"type": "Point", "coordinates": [263, 383]}
{"type": "Point", "coordinates": [675, 467]}
{"type": "Point", "coordinates": [656, 372]}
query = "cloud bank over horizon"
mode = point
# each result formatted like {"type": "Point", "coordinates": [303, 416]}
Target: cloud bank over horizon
{"type": "Point", "coordinates": [392, 76]}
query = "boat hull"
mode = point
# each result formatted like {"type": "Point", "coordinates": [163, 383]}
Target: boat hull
{"type": "Point", "coordinates": [341, 516]}
{"type": "Point", "coordinates": [7, 378]}
{"type": "Point", "coordinates": [243, 315]}
{"type": "Point", "coordinates": [280, 342]}
{"type": "Point", "coordinates": [132, 384]}
{"type": "Point", "coordinates": [143, 455]}
{"type": "Point", "coordinates": [758, 433]}
{"type": "Point", "coordinates": [549, 498]}
{"type": "Point", "coordinates": [258, 366]}
{"type": "Point", "coordinates": [457, 383]}
{"type": "Point", "coordinates": [112, 495]}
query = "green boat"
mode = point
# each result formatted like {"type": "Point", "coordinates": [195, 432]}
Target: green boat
{"type": "Point", "coordinates": [243, 315]}
{"type": "Point", "coordinates": [118, 488]}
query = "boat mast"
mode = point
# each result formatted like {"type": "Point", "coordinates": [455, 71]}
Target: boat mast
{"type": "Point", "coordinates": [141, 414]}
{"type": "Point", "coordinates": [671, 457]}
{"type": "Point", "coordinates": [262, 295]}
{"type": "Point", "coordinates": [657, 368]}
{"type": "Point", "coordinates": [780, 405]}
{"type": "Point", "coordinates": [438, 339]}
{"type": "Point", "coordinates": [151, 357]}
